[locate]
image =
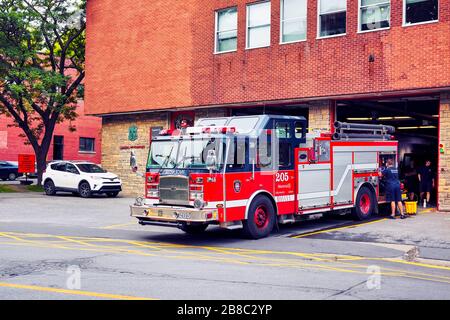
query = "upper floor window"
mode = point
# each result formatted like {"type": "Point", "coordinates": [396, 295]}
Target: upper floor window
{"type": "Point", "coordinates": [258, 25]}
{"type": "Point", "coordinates": [332, 17]}
{"type": "Point", "coordinates": [87, 144]}
{"type": "Point", "coordinates": [293, 20]}
{"type": "Point", "coordinates": [420, 11]}
{"type": "Point", "coordinates": [226, 30]}
{"type": "Point", "coordinates": [374, 14]}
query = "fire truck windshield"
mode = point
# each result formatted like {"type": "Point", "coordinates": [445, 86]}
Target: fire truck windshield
{"type": "Point", "coordinates": [183, 154]}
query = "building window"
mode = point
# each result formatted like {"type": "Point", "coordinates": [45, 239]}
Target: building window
{"type": "Point", "coordinates": [87, 144]}
{"type": "Point", "coordinates": [332, 17]}
{"type": "Point", "coordinates": [420, 11]}
{"type": "Point", "coordinates": [258, 25]}
{"type": "Point", "coordinates": [374, 14]}
{"type": "Point", "coordinates": [293, 20]}
{"type": "Point", "coordinates": [226, 30]}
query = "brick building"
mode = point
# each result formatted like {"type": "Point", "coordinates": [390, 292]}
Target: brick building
{"type": "Point", "coordinates": [151, 63]}
{"type": "Point", "coordinates": [82, 144]}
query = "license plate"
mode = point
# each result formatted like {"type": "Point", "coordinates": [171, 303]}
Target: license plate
{"type": "Point", "coordinates": [183, 215]}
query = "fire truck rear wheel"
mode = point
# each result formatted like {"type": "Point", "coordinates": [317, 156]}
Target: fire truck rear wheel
{"type": "Point", "coordinates": [261, 218]}
{"type": "Point", "coordinates": [193, 228]}
{"type": "Point", "coordinates": [365, 204]}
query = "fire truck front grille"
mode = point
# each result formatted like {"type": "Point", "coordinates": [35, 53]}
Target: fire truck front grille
{"type": "Point", "coordinates": [174, 190]}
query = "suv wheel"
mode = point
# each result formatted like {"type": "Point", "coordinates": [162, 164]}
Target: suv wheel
{"type": "Point", "coordinates": [84, 190]}
{"type": "Point", "coordinates": [49, 188]}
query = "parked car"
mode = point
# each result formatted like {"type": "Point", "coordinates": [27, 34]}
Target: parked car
{"type": "Point", "coordinates": [83, 178]}
{"type": "Point", "coordinates": [9, 171]}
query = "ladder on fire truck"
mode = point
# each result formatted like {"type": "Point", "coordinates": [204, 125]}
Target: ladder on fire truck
{"type": "Point", "coordinates": [362, 132]}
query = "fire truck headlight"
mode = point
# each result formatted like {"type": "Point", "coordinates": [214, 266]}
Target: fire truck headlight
{"type": "Point", "coordinates": [196, 195]}
{"type": "Point", "coordinates": [153, 194]}
{"type": "Point", "coordinates": [199, 204]}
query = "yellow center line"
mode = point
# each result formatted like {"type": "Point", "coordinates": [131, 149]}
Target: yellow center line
{"type": "Point", "coordinates": [6, 235]}
{"type": "Point", "coordinates": [119, 225]}
{"type": "Point", "coordinates": [75, 241]}
{"type": "Point", "coordinates": [72, 292]}
{"type": "Point", "coordinates": [339, 261]}
{"type": "Point", "coordinates": [336, 229]}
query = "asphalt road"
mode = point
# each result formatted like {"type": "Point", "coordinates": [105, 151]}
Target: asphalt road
{"type": "Point", "coordinates": [66, 247]}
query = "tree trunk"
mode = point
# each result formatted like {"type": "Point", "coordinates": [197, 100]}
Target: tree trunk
{"type": "Point", "coordinates": [42, 151]}
{"type": "Point", "coordinates": [41, 164]}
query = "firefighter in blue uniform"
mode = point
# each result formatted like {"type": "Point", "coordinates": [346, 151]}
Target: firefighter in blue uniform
{"type": "Point", "coordinates": [393, 190]}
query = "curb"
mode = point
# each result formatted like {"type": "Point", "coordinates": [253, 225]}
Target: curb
{"type": "Point", "coordinates": [412, 254]}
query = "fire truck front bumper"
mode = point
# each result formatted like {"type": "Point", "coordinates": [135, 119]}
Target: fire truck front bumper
{"type": "Point", "coordinates": [150, 214]}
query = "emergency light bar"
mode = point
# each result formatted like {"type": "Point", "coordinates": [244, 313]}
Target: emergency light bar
{"type": "Point", "coordinates": [210, 130]}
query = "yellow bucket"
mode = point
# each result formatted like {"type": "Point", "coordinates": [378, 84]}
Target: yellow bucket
{"type": "Point", "coordinates": [411, 207]}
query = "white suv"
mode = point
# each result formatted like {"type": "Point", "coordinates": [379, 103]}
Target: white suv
{"type": "Point", "coordinates": [83, 178]}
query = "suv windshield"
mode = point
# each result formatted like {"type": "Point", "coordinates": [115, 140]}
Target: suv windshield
{"type": "Point", "coordinates": [183, 154]}
{"type": "Point", "coordinates": [90, 168]}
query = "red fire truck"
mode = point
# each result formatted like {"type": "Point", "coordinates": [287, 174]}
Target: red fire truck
{"type": "Point", "coordinates": [253, 172]}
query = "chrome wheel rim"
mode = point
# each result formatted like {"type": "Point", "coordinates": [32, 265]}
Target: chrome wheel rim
{"type": "Point", "coordinates": [84, 190]}
{"type": "Point", "coordinates": [48, 188]}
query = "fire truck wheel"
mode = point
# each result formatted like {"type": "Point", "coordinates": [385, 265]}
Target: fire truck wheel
{"type": "Point", "coordinates": [365, 204]}
{"type": "Point", "coordinates": [193, 228]}
{"type": "Point", "coordinates": [261, 218]}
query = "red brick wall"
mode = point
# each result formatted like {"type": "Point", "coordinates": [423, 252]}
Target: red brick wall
{"type": "Point", "coordinates": [138, 54]}
{"type": "Point", "coordinates": [87, 127]}
{"type": "Point", "coordinates": [146, 54]}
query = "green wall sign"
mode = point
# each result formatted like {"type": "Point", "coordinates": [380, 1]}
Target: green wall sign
{"type": "Point", "coordinates": [133, 133]}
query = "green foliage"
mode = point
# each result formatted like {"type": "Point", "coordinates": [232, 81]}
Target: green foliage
{"type": "Point", "coordinates": [35, 188]}
{"type": "Point", "coordinates": [6, 189]}
{"type": "Point", "coordinates": [42, 50]}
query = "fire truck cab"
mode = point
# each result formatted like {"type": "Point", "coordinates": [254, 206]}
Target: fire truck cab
{"type": "Point", "coordinates": [254, 172]}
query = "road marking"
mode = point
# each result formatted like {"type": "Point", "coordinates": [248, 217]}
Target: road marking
{"type": "Point", "coordinates": [114, 226]}
{"type": "Point", "coordinates": [6, 235]}
{"type": "Point", "coordinates": [336, 229]}
{"type": "Point", "coordinates": [419, 264]}
{"type": "Point", "coordinates": [72, 292]}
{"type": "Point", "coordinates": [318, 261]}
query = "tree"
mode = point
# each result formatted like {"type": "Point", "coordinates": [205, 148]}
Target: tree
{"type": "Point", "coordinates": [42, 49]}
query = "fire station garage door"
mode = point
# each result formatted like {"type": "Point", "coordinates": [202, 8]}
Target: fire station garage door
{"type": "Point", "coordinates": [416, 121]}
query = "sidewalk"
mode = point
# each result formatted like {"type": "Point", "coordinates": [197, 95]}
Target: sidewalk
{"type": "Point", "coordinates": [428, 231]}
